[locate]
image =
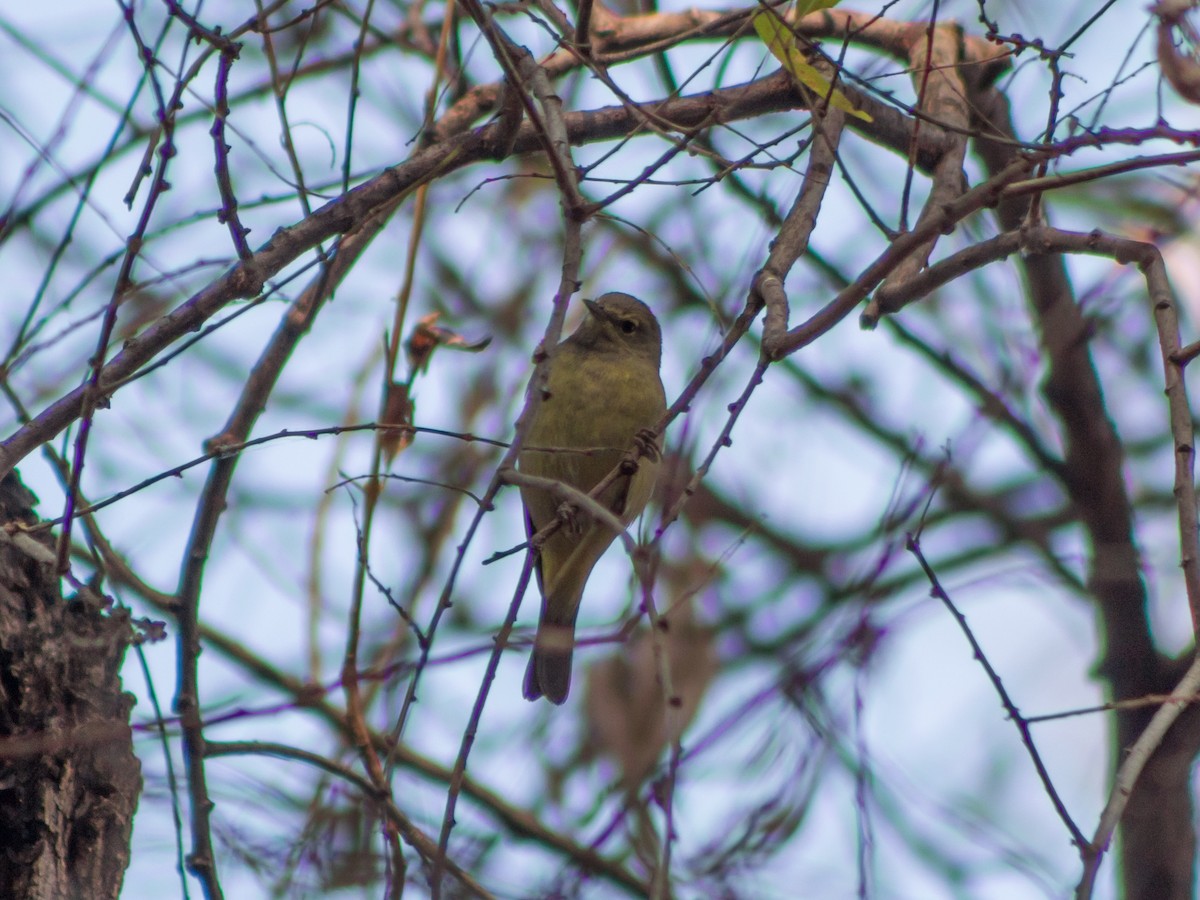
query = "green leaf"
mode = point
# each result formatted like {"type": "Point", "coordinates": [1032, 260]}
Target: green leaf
{"type": "Point", "coordinates": [804, 7]}
{"type": "Point", "coordinates": [782, 44]}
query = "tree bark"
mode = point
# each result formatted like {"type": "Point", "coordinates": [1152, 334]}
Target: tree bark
{"type": "Point", "coordinates": [69, 781]}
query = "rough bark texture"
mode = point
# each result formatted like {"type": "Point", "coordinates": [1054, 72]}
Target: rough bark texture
{"type": "Point", "coordinates": [69, 781]}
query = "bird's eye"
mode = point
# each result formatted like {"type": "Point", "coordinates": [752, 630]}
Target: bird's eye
{"type": "Point", "coordinates": [628, 326]}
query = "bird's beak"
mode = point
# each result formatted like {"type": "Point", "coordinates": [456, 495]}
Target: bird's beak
{"type": "Point", "coordinates": [597, 310]}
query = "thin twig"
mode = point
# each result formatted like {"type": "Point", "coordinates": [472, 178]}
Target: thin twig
{"type": "Point", "coordinates": [914, 547]}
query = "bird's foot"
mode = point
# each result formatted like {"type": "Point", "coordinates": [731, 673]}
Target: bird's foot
{"type": "Point", "coordinates": [574, 520]}
{"type": "Point", "coordinates": [645, 444]}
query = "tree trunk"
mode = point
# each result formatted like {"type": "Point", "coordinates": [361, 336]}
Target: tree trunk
{"type": "Point", "coordinates": [69, 781]}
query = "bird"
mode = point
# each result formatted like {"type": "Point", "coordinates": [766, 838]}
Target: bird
{"type": "Point", "coordinates": [602, 394]}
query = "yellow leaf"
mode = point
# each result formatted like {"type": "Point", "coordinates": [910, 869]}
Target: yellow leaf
{"type": "Point", "coordinates": [782, 44]}
{"type": "Point", "coordinates": [804, 7]}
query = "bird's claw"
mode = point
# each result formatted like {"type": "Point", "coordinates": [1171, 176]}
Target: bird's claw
{"type": "Point", "coordinates": [573, 519]}
{"type": "Point", "coordinates": [646, 442]}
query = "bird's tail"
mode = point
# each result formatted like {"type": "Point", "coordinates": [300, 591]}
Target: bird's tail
{"type": "Point", "coordinates": [549, 672]}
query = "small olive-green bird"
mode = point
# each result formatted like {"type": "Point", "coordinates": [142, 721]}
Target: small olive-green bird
{"type": "Point", "coordinates": [602, 389]}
